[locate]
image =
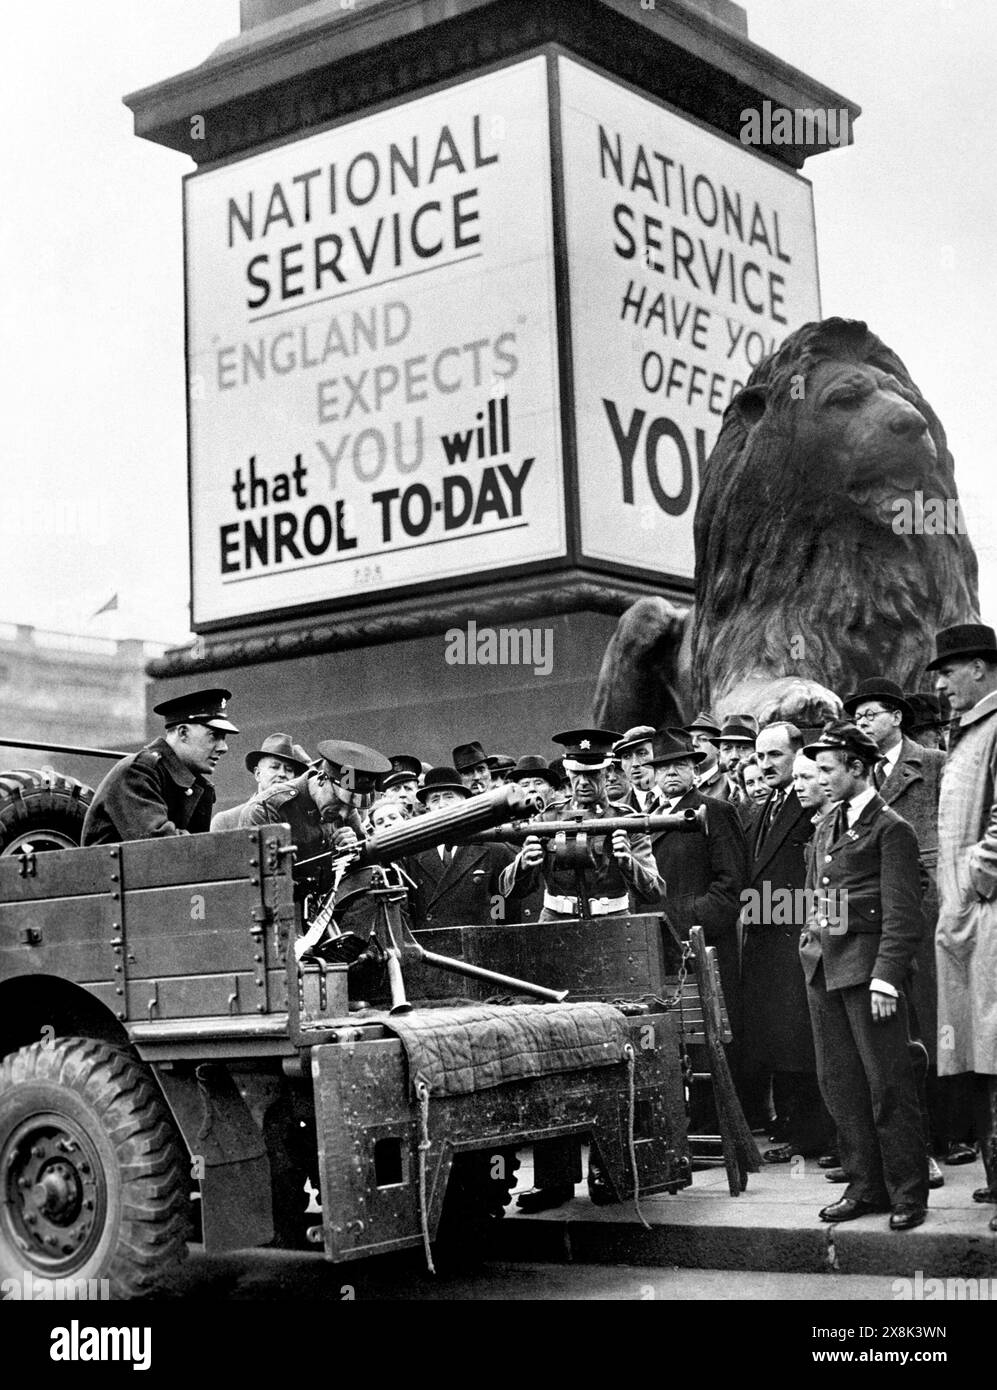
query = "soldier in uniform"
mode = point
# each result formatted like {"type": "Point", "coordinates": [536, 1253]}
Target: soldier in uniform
{"type": "Point", "coordinates": [278, 759]}
{"type": "Point", "coordinates": [165, 788]}
{"type": "Point", "coordinates": [621, 877]}
{"type": "Point", "coordinates": [327, 798]}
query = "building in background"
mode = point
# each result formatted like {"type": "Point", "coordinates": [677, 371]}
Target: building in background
{"type": "Point", "coordinates": [57, 687]}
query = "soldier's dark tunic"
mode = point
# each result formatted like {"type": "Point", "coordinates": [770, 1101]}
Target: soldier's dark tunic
{"type": "Point", "coordinates": [146, 795]}
{"type": "Point", "coordinates": [312, 830]}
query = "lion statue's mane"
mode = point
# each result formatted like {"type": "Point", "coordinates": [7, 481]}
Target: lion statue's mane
{"type": "Point", "coordinates": [800, 573]}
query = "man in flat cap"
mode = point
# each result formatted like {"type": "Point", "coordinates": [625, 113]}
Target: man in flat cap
{"type": "Point", "coordinates": [635, 752]}
{"type": "Point", "coordinates": [165, 788]}
{"type": "Point", "coordinates": [966, 935]}
{"type": "Point", "coordinates": [322, 806]}
{"type": "Point", "coordinates": [864, 925]}
{"type": "Point", "coordinates": [471, 761]}
{"type": "Point", "coordinates": [278, 759]}
{"type": "Point", "coordinates": [908, 777]}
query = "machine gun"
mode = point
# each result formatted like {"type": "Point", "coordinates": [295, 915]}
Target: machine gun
{"type": "Point", "coordinates": [580, 827]}
{"type": "Point", "coordinates": [451, 826]}
{"type": "Point", "coordinates": [572, 836]}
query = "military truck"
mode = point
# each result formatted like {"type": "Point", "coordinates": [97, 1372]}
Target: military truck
{"type": "Point", "coordinates": [169, 1066]}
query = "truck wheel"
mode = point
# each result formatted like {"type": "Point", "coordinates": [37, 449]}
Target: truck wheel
{"type": "Point", "coordinates": [92, 1174]}
{"type": "Point", "coordinates": [42, 809]}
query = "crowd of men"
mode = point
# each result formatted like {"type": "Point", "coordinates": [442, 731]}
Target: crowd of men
{"type": "Point", "coordinates": [847, 880]}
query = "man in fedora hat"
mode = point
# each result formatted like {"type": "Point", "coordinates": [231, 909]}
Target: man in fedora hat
{"type": "Point", "coordinates": [704, 731]}
{"type": "Point", "coordinates": [456, 885]}
{"type": "Point", "coordinates": [909, 778]}
{"type": "Point", "coordinates": [471, 761]}
{"type": "Point", "coordinates": [704, 873]}
{"type": "Point", "coordinates": [864, 924]}
{"type": "Point", "coordinates": [278, 759]}
{"type": "Point", "coordinates": [165, 788]}
{"type": "Point", "coordinates": [736, 741]}
{"type": "Point", "coordinates": [966, 935]}
{"type": "Point", "coordinates": [500, 765]}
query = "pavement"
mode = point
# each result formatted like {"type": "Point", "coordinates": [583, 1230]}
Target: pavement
{"type": "Point", "coordinates": [772, 1226]}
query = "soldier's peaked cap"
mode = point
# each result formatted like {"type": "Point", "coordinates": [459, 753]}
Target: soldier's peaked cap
{"type": "Point", "coordinates": [586, 750]}
{"type": "Point", "coordinates": [354, 755]}
{"type": "Point", "coordinates": [198, 707]}
{"type": "Point", "coordinates": [847, 737]}
{"type": "Point", "coordinates": [406, 762]}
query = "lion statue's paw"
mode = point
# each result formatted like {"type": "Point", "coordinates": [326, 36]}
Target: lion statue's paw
{"type": "Point", "coordinates": [795, 699]}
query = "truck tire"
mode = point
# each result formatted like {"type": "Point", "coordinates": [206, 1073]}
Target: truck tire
{"type": "Point", "coordinates": [93, 1178]}
{"type": "Point", "coordinates": [41, 808]}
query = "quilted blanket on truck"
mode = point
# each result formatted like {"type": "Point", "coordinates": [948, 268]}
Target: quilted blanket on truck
{"type": "Point", "coordinates": [456, 1051]}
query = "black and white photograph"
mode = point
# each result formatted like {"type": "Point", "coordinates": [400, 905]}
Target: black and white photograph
{"type": "Point", "coordinates": [498, 672]}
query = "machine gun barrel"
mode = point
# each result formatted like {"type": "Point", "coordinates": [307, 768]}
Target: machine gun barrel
{"type": "Point", "coordinates": [691, 820]}
{"type": "Point", "coordinates": [454, 825]}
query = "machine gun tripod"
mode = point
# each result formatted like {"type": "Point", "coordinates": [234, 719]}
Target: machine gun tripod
{"type": "Point", "coordinates": [393, 939]}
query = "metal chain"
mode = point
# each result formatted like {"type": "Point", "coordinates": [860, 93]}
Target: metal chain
{"type": "Point", "coordinates": [677, 996]}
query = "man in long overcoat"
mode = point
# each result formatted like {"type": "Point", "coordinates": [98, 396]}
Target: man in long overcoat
{"type": "Point", "coordinates": [966, 935]}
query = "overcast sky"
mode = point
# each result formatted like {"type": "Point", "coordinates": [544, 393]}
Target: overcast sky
{"type": "Point", "coordinates": [94, 500]}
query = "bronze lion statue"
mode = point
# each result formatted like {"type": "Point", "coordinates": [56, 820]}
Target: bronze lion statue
{"type": "Point", "coordinates": [815, 564]}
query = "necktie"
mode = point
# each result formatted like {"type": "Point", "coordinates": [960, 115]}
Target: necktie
{"type": "Point", "coordinates": [446, 856]}
{"type": "Point", "coordinates": [840, 824]}
{"type": "Point", "coordinates": [775, 808]}
{"type": "Point", "coordinates": [880, 773]}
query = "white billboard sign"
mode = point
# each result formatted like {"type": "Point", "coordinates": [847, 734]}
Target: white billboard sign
{"type": "Point", "coordinates": [372, 354]}
{"type": "Point", "coordinates": [690, 259]}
